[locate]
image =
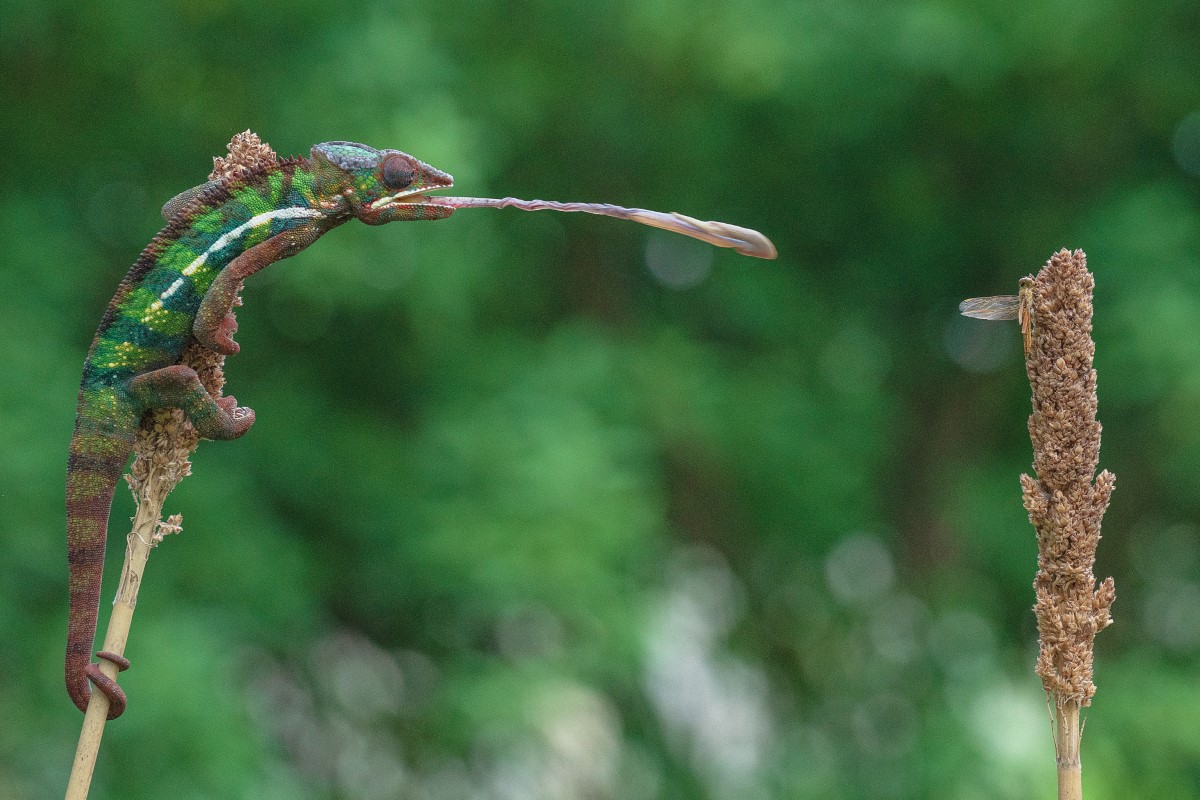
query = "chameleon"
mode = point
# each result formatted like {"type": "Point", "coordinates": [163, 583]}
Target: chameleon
{"type": "Point", "coordinates": [183, 288]}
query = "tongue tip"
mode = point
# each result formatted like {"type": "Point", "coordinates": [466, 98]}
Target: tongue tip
{"type": "Point", "coordinates": [764, 250]}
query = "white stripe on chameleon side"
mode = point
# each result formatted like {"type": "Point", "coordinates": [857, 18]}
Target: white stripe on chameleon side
{"type": "Point", "coordinates": [292, 212]}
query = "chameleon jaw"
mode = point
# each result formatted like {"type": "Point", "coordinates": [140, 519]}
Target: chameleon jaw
{"type": "Point", "coordinates": [405, 196]}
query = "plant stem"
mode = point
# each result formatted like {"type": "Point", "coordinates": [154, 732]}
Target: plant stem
{"type": "Point", "coordinates": [1067, 734]}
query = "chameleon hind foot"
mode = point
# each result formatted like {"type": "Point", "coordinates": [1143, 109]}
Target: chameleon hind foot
{"type": "Point", "coordinates": [116, 695]}
{"type": "Point", "coordinates": [241, 415]}
{"type": "Point", "coordinates": [178, 386]}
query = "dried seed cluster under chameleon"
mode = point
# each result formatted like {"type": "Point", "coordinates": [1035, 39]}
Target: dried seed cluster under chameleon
{"type": "Point", "coordinates": [183, 288]}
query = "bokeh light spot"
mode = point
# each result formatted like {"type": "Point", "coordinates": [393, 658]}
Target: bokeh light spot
{"type": "Point", "coordinates": [678, 263]}
{"type": "Point", "coordinates": [964, 643]}
{"type": "Point", "coordinates": [1011, 723]}
{"type": "Point", "coordinates": [897, 629]}
{"type": "Point", "coordinates": [1172, 615]}
{"type": "Point", "coordinates": [980, 345]}
{"type": "Point", "coordinates": [1187, 144]}
{"type": "Point", "coordinates": [859, 569]}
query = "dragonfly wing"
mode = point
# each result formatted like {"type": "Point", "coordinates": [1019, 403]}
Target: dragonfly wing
{"type": "Point", "coordinates": [1000, 307]}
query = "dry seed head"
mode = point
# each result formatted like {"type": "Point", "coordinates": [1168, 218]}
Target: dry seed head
{"type": "Point", "coordinates": [1064, 504]}
{"type": "Point", "coordinates": [246, 152]}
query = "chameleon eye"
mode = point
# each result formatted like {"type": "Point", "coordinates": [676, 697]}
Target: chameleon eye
{"type": "Point", "coordinates": [397, 173]}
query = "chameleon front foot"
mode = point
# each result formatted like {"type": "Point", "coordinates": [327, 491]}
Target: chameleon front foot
{"type": "Point", "coordinates": [220, 339]}
{"type": "Point", "coordinates": [116, 695]}
{"type": "Point", "coordinates": [215, 323]}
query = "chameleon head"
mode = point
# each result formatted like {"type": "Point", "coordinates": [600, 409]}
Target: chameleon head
{"type": "Point", "coordinates": [378, 186]}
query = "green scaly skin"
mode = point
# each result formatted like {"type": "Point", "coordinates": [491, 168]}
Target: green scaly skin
{"type": "Point", "coordinates": [183, 287]}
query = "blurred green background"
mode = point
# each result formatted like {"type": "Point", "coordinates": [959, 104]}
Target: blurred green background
{"type": "Point", "coordinates": [548, 506]}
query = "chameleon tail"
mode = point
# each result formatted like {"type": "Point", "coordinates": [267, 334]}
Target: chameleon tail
{"type": "Point", "coordinates": [98, 456]}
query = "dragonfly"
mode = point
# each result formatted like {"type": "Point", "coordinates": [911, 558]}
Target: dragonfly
{"type": "Point", "coordinates": [1006, 306]}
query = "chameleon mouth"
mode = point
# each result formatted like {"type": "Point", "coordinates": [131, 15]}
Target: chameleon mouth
{"type": "Point", "coordinates": [416, 195]}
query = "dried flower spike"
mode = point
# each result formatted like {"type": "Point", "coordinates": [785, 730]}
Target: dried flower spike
{"type": "Point", "coordinates": [246, 152]}
{"type": "Point", "coordinates": [1065, 505]}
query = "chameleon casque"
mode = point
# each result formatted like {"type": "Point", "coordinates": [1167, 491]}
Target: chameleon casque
{"type": "Point", "coordinates": [183, 287]}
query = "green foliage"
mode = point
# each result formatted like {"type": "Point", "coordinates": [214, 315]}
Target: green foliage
{"type": "Point", "coordinates": [556, 507]}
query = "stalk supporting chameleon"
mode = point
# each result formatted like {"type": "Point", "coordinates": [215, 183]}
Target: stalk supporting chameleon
{"type": "Point", "coordinates": [183, 288]}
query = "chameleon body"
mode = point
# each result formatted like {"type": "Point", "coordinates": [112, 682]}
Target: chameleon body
{"type": "Point", "coordinates": [182, 289]}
